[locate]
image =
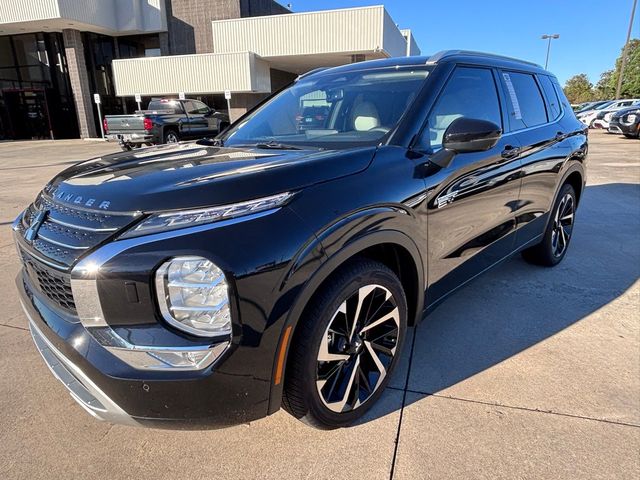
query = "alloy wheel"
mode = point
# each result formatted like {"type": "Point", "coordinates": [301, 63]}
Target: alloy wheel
{"type": "Point", "coordinates": [357, 348]}
{"type": "Point", "coordinates": [562, 225]}
{"type": "Point", "coordinates": [172, 138]}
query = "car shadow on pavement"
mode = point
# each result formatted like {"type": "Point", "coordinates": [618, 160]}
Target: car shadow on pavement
{"type": "Point", "coordinates": [517, 305]}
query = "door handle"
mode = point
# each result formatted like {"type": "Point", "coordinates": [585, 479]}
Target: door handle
{"type": "Point", "coordinates": [510, 152]}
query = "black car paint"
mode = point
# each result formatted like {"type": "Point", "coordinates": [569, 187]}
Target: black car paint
{"type": "Point", "coordinates": [630, 129]}
{"type": "Point", "coordinates": [348, 202]}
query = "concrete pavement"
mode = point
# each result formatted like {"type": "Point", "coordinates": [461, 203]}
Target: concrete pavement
{"type": "Point", "coordinates": [525, 373]}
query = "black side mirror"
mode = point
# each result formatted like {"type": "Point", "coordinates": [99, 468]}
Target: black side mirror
{"type": "Point", "coordinates": [466, 135]}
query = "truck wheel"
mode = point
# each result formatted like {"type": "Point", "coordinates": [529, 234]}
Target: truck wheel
{"type": "Point", "coordinates": [346, 346]}
{"type": "Point", "coordinates": [171, 136]}
{"type": "Point", "coordinates": [557, 236]}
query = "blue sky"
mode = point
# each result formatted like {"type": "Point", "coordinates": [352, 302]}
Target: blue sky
{"type": "Point", "coordinates": [591, 32]}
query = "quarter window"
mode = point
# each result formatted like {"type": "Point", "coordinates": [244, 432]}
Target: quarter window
{"type": "Point", "coordinates": [194, 107]}
{"type": "Point", "coordinates": [552, 97]}
{"type": "Point", "coordinates": [525, 104]}
{"type": "Point", "coordinates": [471, 93]}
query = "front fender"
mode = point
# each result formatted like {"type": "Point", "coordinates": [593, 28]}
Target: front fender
{"type": "Point", "coordinates": [330, 249]}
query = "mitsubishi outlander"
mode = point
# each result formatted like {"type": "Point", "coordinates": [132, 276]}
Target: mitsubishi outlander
{"type": "Point", "coordinates": [280, 264]}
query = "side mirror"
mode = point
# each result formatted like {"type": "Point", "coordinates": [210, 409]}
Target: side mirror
{"type": "Point", "coordinates": [466, 135]}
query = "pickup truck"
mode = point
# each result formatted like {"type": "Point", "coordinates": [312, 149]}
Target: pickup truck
{"type": "Point", "coordinates": [165, 121]}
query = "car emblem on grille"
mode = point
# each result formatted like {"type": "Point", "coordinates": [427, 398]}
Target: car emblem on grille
{"type": "Point", "coordinates": [36, 222]}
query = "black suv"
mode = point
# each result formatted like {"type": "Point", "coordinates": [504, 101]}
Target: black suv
{"type": "Point", "coordinates": [210, 283]}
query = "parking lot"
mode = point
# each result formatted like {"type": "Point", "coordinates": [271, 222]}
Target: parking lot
{"type": "Point", "coordinates": [525, 373]}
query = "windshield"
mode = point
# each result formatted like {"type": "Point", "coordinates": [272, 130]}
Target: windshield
{"type": "Point", "coordinates": [165, 105]}
{"type": "Point", "coordinates": [603, 106]}
{"type": "Point", "coordinates": [333, 110]}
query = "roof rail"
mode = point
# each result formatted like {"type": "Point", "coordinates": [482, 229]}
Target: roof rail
{"type": "Point", "coordinates": [311, 72]}
{"type": "Point", "coordinates": [449, 53]}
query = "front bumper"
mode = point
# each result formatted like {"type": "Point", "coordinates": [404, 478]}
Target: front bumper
{"type": "Point", "coordinates": [82, 389]}
{"type": "Point", "coordinates": [631, 129]}
{"type": "Point", "coordinates": [111, 390]}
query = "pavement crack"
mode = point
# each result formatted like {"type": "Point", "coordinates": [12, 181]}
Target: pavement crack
{"type": "Point", "coordinates": [106, 433]}
{"type": "Point", "coordinates": [14, 326]}
{"type": "Point", "coordinates": [404, 400]}
{"type": "Point", "coordinates": [526, 409]}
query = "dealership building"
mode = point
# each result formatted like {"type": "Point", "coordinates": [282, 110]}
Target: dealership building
{"type": "Point", "coordinates": [55, 55]}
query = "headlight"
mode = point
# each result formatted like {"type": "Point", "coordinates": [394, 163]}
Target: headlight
{"type": "Point", "coordinates": [193, 296]}
{"type": "Point", "coordinates": [160, 222]}
{"type": "Point", "coordinates": [629, 119]}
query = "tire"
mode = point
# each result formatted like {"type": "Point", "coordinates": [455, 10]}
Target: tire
{"type": "Point", "coordinates": [170, 136]}
{"type": "Point", "coordinates": [338, 390]}
{"type": "Point", "coordinates": [557, 237]}
{"type": "Point", "coordinates": [629, 135]}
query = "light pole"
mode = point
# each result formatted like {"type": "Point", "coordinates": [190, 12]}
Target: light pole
{"type": "Point", "coordinates": [549, 37]}
{"type": "Point", "coordinates": [624, 50]}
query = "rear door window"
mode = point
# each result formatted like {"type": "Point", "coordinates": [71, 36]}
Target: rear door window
{"type": "Point", "coordinates": [552, 97]}
{"type": "Point", "coordinates": [525, 104]}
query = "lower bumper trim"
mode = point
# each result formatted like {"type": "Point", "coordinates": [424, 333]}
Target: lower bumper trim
{"type": "Point", "coordinates": [81, 388]}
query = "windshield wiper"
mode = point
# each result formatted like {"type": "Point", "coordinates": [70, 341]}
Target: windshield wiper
{"type": "Point", "coordinates": [277, 146]}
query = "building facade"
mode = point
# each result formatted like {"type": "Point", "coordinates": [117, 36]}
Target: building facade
{"type": "Point", "coordinates": [55, 55]}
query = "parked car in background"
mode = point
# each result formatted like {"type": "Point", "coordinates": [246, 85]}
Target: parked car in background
{"type": "Point", "coordinates": [209, 283]}
{"type": "Point", "coordinates": [312, 117]}
{"type": "Point", "coordinates": [583, 107]}
{"type": "Point", "coordinates": [588, 117]}
{"type": "Point", "coordinates": [626, 122]}
{"type": "Point", "coordinates": [604, 116]}
{"type": "Point", "coordinates": [165, 120]}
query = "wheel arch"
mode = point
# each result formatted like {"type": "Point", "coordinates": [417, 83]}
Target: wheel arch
{"type": "Point", "coordinates": [390, 247]}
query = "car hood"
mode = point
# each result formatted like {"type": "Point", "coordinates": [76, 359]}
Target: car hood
{"type": "Point", "coordinates": [192, 175]}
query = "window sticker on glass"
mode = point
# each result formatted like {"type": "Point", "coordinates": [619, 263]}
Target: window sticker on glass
{"type": "Point", "coordinates": [512, 94]}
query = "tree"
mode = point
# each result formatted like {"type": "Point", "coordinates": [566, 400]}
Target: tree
{"type": "Point", "coordinates": [631, 80]}
{"type": "Point", "coordinates": [605, 88]}
{"type": "Point", "coordinates": [579, 89]}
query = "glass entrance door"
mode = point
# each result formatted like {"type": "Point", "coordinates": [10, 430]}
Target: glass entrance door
{"type": "Point", "coordinates": [28, 114]}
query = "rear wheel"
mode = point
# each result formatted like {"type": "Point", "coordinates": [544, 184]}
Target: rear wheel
{"type": "Point", "coordinates": [553, 247]}
{"type": "Point", "coordinates": [346, 346]}
{"type": "Point", "coordinates": [171, 136]}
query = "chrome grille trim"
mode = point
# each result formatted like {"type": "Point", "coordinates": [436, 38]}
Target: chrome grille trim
{"type": "Point", "coordinates": [80, 227]}
{"type": "Point", "coordinates": [60, 244]}
{"type": "Point", "coordinates": [68, 232]}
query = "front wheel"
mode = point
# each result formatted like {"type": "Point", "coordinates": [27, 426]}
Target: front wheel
{"type": "Point", "coordinates": [346, 346]}
{"type": "Point", "coordinates": [555, 242]}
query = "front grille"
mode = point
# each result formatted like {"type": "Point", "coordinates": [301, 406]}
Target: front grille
{"type": "Point", "coordinates": [68, 233]}
{"type": "Point", "coordinates": [55, 285]}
